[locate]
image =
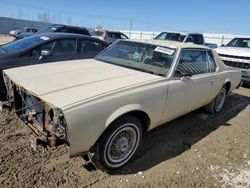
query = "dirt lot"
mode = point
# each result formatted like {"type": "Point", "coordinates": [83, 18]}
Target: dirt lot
{"type": "Point", "coordinates": [197, 150]}
{"type": "Point", "coordinates": [5, 39]}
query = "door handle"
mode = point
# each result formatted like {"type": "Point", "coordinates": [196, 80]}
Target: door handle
{"type": "Point", "coordinates": [211, 82]}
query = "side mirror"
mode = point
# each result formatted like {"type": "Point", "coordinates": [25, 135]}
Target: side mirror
{"type": "Point", "coordinates": [44, 54]}
{"type": "Point", "coordinates": [223, 45]}
{"type": "Point", "coordinates": [186, 73]}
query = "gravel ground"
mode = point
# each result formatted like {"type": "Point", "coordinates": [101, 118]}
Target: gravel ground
{"type": "Point", "coordinates": [196, 150]}
{"type": "Point", "coordinates": [5, 39]}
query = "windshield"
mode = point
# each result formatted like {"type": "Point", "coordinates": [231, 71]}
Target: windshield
{"type": "Point", "coordinates": [170, 36]}
{"type": "Point", "coordinates": [139, 56]}
{"type": "Point", "coordinates": [98, 33]}
{"type": "Point", "coordinates": [239, 42]}
{"type": "Point", "coordinates": [22, 44]}
{"type": "Point", "coordinates": [47, 30]}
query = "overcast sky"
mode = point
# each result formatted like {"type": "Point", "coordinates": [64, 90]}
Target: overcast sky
{"type": "Point", "coordinates": [218, 16]}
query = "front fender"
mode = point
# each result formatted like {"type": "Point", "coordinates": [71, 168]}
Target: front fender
{"type": "Point", "coordinates": [123, 110]}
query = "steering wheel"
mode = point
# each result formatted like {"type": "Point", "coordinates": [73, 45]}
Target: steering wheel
{"type": "Point", "coordinates": [158, 64]}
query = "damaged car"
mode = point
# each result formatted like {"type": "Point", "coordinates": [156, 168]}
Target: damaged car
{"type": "Point", "coordinates": [102, 107]}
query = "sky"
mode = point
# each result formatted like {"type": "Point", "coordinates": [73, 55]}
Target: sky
{"type": "Point", "coordinates": [207, 16]}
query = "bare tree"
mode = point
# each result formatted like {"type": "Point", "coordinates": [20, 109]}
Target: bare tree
{"type": "Point", "coordinates": [69, 20]}
{"type": "Point", "coordinates": [44, 17]}
{"type": "Point", "coordinates": [99, 27]}
{"type": "Point", "coordinates": [20, 14]}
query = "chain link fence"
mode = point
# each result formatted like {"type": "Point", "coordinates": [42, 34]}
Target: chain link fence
{"type": "Point", "coordinates": [8, 24]}
{"type": "Point", "coordinates": [214, 38]}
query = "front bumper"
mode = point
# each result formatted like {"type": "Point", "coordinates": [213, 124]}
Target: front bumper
{"type": "Point", "coordinates": [45, 120]}
{"type": "Point", "coordinates": [245, 76]}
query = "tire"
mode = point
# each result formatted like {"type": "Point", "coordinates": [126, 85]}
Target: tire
{"type": "Point", "coordinates": [118, 144]}
{"type": "Point", "coordinates": [218, 103]}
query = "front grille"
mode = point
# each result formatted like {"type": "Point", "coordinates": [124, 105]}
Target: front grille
{"type": "Point", "coordinates": [237, 64]}
{"type": "Point", "coordinates": [233, 56]}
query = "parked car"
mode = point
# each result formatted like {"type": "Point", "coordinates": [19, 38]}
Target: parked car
{"type": "Point", "coordinates": [56, 29]}
{"type": "Point", "coordinates": [196, 38]}
{"type": "Point", "coordinates": [14, 33]}
{"type": "Point", "coordinates": [101, 107]}
{"type": "Point", "coordinates": [237, 54]}
{"type": "Point", "coordinates": [109, 36]}
{"type": "Point", "coordinates": [47, 47]}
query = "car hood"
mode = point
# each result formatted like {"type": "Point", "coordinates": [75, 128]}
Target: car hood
{"type": "Point", "coordinates": [66, 83]}
{"type": "Point", "coordinates": [24, 34]}
{"type": "Point", "coordinates": [234, 51]}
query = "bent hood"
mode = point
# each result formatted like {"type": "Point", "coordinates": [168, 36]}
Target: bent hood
{"type": "Point", "coordinates": [234, 51]}
{"type": "Point", "coordinates": [69, 82]}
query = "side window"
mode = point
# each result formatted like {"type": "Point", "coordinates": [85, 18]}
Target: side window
{"type": "Point", "coordinates": [211, 62]}
{"type": "Point", "coordinates": [37, 51]}
{"type": "Point", "coordinates": [190, 39]}
{"type": "Point", "coordinates": [123, 36]}
{"type": "Point", "coordinates": [194, 61]}
{"type": "Point", "coordinates": [117, 35]}
{"type": "Point", "coordinates": [72, 30]}
{"type": "Point", "coordinates": [63, 30]}
{"type": "Point", "coordinates": [110, 35]}
{"type": "Point", "coordinates": [64, 46]}
{"type": "Point", "coordinates": [90, 46]}
{"type": "Point", "coordinates": [198, 39]}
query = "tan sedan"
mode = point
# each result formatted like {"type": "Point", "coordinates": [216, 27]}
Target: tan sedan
{"type": "Point", "coordinates": [101, 107]}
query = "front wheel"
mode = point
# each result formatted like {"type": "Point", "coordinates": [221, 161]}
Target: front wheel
{"type": "Point", "coordinates": [118, 144]}
{"type": "Point", "coordinates": [218, 103]}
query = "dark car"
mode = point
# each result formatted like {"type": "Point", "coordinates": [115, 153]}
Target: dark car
{"type": "Point", "coordinates": [47, 47]}
{"type": "Point", "coordinates": [57, 29]}
{"type": "Point", "coordinates": [14, 33]}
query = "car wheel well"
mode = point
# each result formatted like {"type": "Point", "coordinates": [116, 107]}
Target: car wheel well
{"type": "Point", "coordinates": [228, 86]}
{"type": "Point", "coordinates": [142, 116]}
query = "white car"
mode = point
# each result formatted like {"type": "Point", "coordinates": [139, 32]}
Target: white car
{"type": "Point", "coordinates": [108, 36]}
{"type": "Point", "coordinates": [237, 54]}
{"type": "Point", "coordinates": [101, 107]}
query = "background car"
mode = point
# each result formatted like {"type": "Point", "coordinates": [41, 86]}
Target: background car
{"type": "Point", "coordinates": [102, 106]}
{"type": "Point", "coordinates": [195, 38]}
{"type": "Point", "coordinates": [108, 36]}
{"type": "Point", "coordinates": [47, 47]}
{"type": "Point", "coordinates": [14, 33]}
{"type": "Point", "coordinates": [56, 29]}
{"type": "Point", "coordinates": [237, 54]}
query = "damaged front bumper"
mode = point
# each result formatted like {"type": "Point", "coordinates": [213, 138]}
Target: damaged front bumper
{"type": "Point", "coordinates": [44, 119]}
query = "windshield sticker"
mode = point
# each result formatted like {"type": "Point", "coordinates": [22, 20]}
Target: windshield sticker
{"type": "Point", "coordinates": [44, 38]}
{"type": "Point", "coordinates": [164, 50]}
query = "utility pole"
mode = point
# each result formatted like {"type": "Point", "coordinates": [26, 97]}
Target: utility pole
{"type": "Point", "coordinates": [130, 27]}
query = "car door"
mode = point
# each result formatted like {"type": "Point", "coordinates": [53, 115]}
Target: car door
{"type": "Point", "coordinates": [35, 53]}
{"type": "Point", "coordinates": [89, 49]}
{"type": "Point", "coordinates": [62, 50]}
{"type": "Point", "coordinates": [187, 93]}
{"type": "Point", "coordinates": [112, 37]}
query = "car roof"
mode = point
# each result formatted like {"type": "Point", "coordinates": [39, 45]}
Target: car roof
{"type": "Point", "coordinates": [171, 44]}
{"type": "Point", "coordinates": [183, 33]}
{"type": "Point", "coordinates": [56, 35]}
{"type": "Point", "coordinates": [105, 30]}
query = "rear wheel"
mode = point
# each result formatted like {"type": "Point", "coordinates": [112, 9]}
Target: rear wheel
{"type": "Point", "coordinates": [118, 144]}
{"type": "Point", "coordinates": [218, 103]}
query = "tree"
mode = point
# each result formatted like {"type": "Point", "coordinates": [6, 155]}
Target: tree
{"type": "Point", "coordinates": [44, 17]}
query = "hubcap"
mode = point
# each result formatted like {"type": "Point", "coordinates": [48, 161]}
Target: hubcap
{"type": "Point", "coordinates": [122, 145]}
{"type": "Point", "coordinates": [220, 99]}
